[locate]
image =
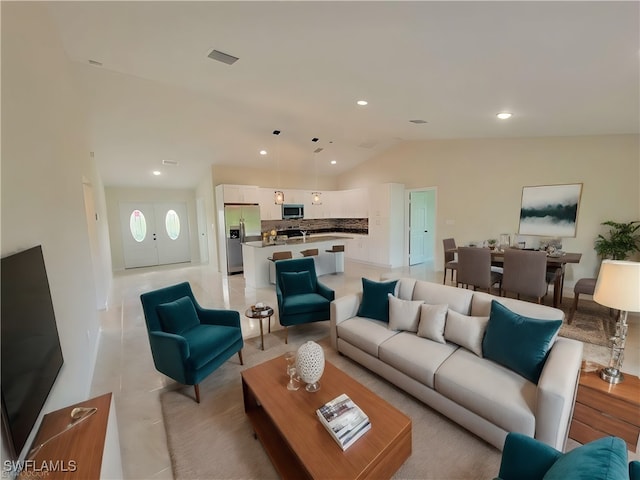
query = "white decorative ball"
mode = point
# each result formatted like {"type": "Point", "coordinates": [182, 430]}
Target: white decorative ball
{"type": "Point", "coordinates": [310, 362]}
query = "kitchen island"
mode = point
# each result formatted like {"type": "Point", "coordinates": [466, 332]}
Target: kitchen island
{"type": "Point", "coordinates": [257, 264]}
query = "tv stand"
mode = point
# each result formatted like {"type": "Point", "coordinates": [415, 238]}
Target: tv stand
{"type": "Point", "coordinates": [90, 449]}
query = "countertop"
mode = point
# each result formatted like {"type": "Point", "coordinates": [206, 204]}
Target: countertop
{"type": "Point", "coordinates": [300, 241]}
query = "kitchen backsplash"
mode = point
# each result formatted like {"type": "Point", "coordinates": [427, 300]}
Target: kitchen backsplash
{"type": "Point", "coordinates": [346, 225]}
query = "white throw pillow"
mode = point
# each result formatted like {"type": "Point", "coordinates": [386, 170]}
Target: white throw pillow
{"type": "Point", "coordinates": [404, 314]}
{"type": "Point", "coordinates": [466, 331]}
{"type": "Point", "coordinates": [432, 321]}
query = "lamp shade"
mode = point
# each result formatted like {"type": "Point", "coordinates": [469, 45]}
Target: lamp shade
{"type": "Point", "coordinates": [618, 285]}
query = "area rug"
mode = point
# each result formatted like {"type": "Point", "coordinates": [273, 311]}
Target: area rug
{"type": "Point", "coordinates": [591, 323]}
{"type": "Point", "coordinates": [214, 440]}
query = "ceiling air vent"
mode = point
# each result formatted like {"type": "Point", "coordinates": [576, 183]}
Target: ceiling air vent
{"type": "Point", "coordinates": [368, 144]}
{"type": "Point", "coordinates": [223, 57]}
{"type": "Point", "coordinates": [419, 122]}
{"type": "Point", "coordinates": [171, 163]}
{"type": "Point", "coordinates": [318, 150]}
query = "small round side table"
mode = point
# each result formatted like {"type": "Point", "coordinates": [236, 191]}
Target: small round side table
{"type": "Point", "coordinates": [259, 314]}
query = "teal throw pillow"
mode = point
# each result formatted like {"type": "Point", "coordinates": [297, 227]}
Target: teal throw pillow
{"type": "Point", "coordinates": [178, 316]}
{"type": "Point", "coordinates": [602, 459]}
{"type": "Point", "coordinates": [296, 283]}
{"type": "Point", "coordinates": [375, 302]}
{"type": "Point", "coordinates": [519, 343]}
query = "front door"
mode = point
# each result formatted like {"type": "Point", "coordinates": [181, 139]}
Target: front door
{"type": "Point", "coordinates": [154, 234]}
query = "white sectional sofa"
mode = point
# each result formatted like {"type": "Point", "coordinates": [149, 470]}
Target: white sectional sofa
{"type": "Point", "coordinates": [479, 394]}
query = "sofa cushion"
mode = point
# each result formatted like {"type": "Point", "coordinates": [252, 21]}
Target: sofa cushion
{"type": "Point", "coordinates": [432, 321]}
{"type": "Point", "coordinates": [414, 356]}
{"type": "Point", "coordinates": [404, 314]}
{"type": "Point", "coordinates": [465, 331]}
{"type": "Point", "coordinates": [304, 303]}
{"type": "Point", "coordinates": [481, 306]}
{"type": "Point", "coordinates": [178, 316]}
{"type": "Point", "coordinates": [489, 390]}
{"type": "Point", "coordinates": [458, 299]}
{"type": "Point", "coordinates": [375, 303]}
{"type": "Point", "coordinates": [364, 333]}
{"type": "Point", "coordinates": [295, 283]}
{"type": "Point", "coordinates": [602, 459]}
{"type": "Point", "coordinates": [518, 342]}
{"type": "Point", "coordinates": [405, 288]}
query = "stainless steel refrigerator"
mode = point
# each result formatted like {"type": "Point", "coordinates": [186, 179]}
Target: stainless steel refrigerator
{"type": "Point", "coordinates": [242, 224]}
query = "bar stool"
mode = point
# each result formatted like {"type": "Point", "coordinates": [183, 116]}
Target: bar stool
{"type": "Point", "coordinates": [338, 252]}
{"type": "Point", "coordinates": [310, 252]}
{"type": "Point", "coordinates": [284, 255]}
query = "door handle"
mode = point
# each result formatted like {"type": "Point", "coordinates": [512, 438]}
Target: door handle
{"type": "Point", "coordinates": [426, 231]}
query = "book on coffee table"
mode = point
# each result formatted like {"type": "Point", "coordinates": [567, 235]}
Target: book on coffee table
{"type": "Point", "coordinates": [344, 420]}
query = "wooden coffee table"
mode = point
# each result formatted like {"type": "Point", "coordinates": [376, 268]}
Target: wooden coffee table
{"type": "Point", "coordinates": [298, 445]}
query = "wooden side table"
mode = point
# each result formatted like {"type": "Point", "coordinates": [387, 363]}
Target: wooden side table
{"type": "Point", "coordinates": [259, 314]}
{"type": "Point", "coordinates": [604, 409]}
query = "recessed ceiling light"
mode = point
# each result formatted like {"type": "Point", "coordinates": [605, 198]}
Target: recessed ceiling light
{"type": "Point", "coordinates": [504, 115]}
{"type": "Point", "coordinates": [333, 162]}
{"type": "Point", "coordinates": [362, 103]}
{"type": "Point", "coordinates": [263, 152]}
{"type": "Point", "coordinates": [157, 172]}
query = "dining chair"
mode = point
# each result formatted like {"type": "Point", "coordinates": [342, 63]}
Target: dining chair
{"type": "Point", "coordinates": [450, 262]}
{"type": "Point", "coordinates": [584, 286]}
{"type": "Point", "coordinates": [525, 273]}
{"type": "Point", "coordinates": [474, 269]}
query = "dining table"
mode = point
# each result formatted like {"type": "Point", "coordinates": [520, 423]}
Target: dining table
{"type": "Point", "coordinates": [555, 262]}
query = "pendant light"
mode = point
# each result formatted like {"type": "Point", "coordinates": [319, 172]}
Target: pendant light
{"type": "Point", "coordinates": [278, 195]}
{"type": "Point", "coordinates": [316, 197]}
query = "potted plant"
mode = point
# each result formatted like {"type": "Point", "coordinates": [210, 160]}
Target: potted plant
{"type": "Point", "coordinates": [492, 242]}
{"type": "Point", "coordinates": [622, 241]}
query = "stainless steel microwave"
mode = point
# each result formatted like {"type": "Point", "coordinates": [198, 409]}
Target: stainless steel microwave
{"type": "Point", "coordinates": [291, 210]}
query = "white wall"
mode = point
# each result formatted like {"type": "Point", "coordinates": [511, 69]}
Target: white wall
{"type": "Point", "coordinates": [44, 159]}
{"type": "Point", "coordinates": [204, 190]}
{"type": "Point", "coordinates": [116, 195]}
{"type": "Point", "coordinates": [480, 184]}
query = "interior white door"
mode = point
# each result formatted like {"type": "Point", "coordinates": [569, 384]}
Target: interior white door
{"type": "Point", "coordinates": [154, 234]}
{"type": "Point", "coordinates": [417, 227]}
{"type": "Point", "coordinates": [138, 227]}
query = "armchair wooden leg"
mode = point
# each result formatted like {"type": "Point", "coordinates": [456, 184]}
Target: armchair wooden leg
{"type": "Point", "coordinates": [286, 335]}
{"type": "Point", "coordinates": [240, 357]}
{"type": "Point", "coordinates": [197, 389]}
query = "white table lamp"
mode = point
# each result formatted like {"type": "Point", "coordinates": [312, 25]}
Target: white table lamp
{"type": "Point", "coordinates": [618, 286]}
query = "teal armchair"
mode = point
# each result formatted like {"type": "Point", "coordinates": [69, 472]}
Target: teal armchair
{"type": "Point", "coordinates": [189, 342]}
{"type": "Point", "coordinates": [301, 297]}
{"type": "Point", "coordinates": [524, 458]}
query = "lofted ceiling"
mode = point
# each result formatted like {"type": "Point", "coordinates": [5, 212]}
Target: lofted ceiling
{"type": "Point", "coordinates": [561, 68]}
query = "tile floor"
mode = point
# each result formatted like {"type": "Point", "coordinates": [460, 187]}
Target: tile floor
{"type": "Point", "coordinates": [125, 367]}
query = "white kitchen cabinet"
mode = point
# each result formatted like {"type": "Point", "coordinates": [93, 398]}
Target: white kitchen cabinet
{"type": "Point", "coordinates": [240, 194]}
{"type": "Point", "coordinates": [355, 203]}
{"type": "Point", "coordinates": [269, 209]}
{"type": "Point", "coordinates": [357, 248]}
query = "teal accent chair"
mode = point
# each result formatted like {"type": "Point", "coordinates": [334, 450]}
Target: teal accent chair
{"type": "Point", "coordinates": [189, 342]}
{"type": "Point", "coordinates": [301, 297]}
{"type": "Point", "coordinates": [524, 458]}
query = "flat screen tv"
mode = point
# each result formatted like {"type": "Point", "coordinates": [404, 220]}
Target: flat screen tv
{"type": "Point", "coordinates": [31, 354]}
